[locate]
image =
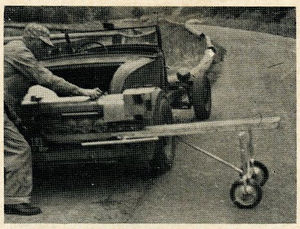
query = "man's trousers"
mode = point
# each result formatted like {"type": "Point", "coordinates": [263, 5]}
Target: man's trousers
{"type": "Point", "coordinates": [17, 165]}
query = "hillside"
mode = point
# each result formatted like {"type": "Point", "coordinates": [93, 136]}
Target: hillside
{"type": "Point", "coordinates": [274, 20]}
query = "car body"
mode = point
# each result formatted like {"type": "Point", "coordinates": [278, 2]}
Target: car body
{"type": "Point", "coordinates": [128, 65]}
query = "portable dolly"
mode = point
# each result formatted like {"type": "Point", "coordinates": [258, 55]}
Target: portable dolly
{"type": "Point", "coordinates": [246, 192]}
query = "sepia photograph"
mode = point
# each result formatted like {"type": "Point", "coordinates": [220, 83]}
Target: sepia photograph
{"type": "Point", "coordinates": [149, 114]}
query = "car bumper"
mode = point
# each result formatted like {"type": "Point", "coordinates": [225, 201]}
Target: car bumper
{"type": "Point", "coordinates": [97, 151]}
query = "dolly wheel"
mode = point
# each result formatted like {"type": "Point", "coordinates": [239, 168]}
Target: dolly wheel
{"type": "Point", "coordinates": [246, 195]}
{"type": "Point", "coordinates": [260, 173]}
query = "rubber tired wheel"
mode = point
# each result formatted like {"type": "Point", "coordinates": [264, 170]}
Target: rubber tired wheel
{"type": "Point", "coordinates": [261, 173]}
{"type": "Point", "coordinates": [165, 148]}
{"type": "Point", "coordinates": [245, 196]}
{"type": "Point", "coordinates": [201, 98]}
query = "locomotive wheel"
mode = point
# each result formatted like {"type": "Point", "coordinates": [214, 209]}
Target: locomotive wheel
{"type": "Point", "coordinates": [245, 195]}
{"type": "Point", "coordinates": [201, 98]}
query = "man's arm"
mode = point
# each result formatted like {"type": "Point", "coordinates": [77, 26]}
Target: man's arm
{"type": "Point", "coordinates": [24, 60]}
{"type": "Point", "coordinates": [27, 64]}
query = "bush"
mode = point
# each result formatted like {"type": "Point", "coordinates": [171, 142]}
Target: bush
{"type": "Point", "coordinates": [60, 16]}
{"type": "Point", "coordinates": [102, 13]}
{"type": "Point", "coordinates": [23, 13]}
{"type": "Point", "coordinates": [279, 20]}
{"type": "Point", "coordinates": [137, 12]}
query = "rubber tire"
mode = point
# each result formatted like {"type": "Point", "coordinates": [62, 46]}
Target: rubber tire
{"type": "Point", "coordinates": [261, 166]}
{"type": "Point", "coordinates": [265, 170]}
{"type": "Point", "coordinates": [201, 98]}
{"type": "Point", "coordinates": [165, 148]}
{"type": "Point", "coordinates": [256, 187]}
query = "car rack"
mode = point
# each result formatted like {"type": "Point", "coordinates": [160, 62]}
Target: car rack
{"type": "Point", "coordinates": [246, 192]}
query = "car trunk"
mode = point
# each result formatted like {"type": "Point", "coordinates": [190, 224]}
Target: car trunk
{"type": "Point", "coordinates": [58, 117]}
{"type": "Point", "coordinates": [88, 76]}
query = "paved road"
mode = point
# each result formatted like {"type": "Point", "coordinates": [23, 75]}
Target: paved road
{"type": "Point", "coordinates": [258, 76]}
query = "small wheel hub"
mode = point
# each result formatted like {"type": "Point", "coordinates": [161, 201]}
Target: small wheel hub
{"type": "Point", "coordinates": [258, 175]}
{"type": "Point", "coordinates": [245, 195]}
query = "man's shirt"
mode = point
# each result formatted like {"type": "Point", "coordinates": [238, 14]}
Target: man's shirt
{"type": "Point", "coordinates": [22, 70]}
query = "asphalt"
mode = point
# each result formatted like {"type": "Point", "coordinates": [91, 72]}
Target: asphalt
{"type": "Point", "coordinates": [258, 79]}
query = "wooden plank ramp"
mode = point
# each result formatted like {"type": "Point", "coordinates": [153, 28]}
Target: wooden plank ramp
{"type": "Point", "coordinates": [203, 127]}
{"type": "Point", "coordinates": [171, 130]}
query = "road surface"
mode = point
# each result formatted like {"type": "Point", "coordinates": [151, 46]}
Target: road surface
{"type": "Point", "coordinates": [258, 78]}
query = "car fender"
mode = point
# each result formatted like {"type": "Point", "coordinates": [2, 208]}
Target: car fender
{"type": "Point", "coordinates": [136, 73]}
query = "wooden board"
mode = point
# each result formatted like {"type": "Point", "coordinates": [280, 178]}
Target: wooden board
{"type": "Point", "coordinates": [174, 130]}
{"type": "Point", "coordinates": [203, 127]}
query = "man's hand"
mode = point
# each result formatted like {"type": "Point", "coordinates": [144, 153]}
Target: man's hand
{"type": "Point", "coordinates": [92, 93]}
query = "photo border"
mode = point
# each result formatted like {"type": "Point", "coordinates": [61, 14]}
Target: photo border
{"type": "Point", "coordinates": [283, 3]}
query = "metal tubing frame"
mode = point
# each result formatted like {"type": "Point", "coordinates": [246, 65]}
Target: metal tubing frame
{"type": "Point", "coordinates": [245, 149]}
{"type": "Point", "coordinates": [246, 153]}
{"type": "Point", "coordinates": [211, 155]}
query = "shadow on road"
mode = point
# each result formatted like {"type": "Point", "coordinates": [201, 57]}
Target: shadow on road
{"type": "Point", "coordinates": [110, 177]}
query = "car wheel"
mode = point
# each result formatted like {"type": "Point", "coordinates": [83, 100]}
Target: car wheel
{"type": "Point", "coordinates": [165, 148]}
{"type": "Point", "coordinates": [201, 98]}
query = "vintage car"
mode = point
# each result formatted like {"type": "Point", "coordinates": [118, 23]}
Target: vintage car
{"type": "Point", "coordinates": [128, 65]}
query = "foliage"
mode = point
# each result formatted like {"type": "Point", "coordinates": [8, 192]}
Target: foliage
{"type": "Point", "coordinates": [102, 13]}
{"type": "Point", "coordinates": [54, 14]}
{"type": "Point", "coordinates": [137, 12]}
{"type": "Point", "coordinates": [275, 20]}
